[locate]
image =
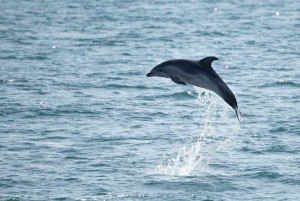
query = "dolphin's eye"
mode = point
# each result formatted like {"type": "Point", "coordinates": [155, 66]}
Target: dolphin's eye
{"type": "Point", "coordinates": [160, 70]}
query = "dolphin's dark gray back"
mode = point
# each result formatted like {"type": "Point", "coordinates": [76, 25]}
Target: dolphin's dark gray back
{"type": "Point", "coordinates": [199, 73]}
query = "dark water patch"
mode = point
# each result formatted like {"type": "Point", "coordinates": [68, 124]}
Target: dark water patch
{"type": "Point", "coordinates": [172, 185]}
{"type": "Point", "coordinates": [126, 54]}
{"type": "Point", "coordinates": [250, 150]}
{"type": "Point", "coordinates": [284, 69]}
{"type": "Point", "coordinates": [250, 23]}
{"type": "Point", "coordinates": [291, 181]}
{"type": "Point", "coordinates": [137, 126]}
{"type": "Point", "coordinates": [186, 116]}
{"type": "Point", "coordinates": [61, 199]}
{"type": "Point", "coordinates": [158, 114]}
{"type": "Point", "coordinates": [41, 92]}
{"type": "Point", "coordinates": [109, 43]}
{"type": "Point", "coordinates": [74, 158]}
{"type": "Point", "coordinates": [121, 138]}
{"type": "Point", "coordinates": [44, 112]}
{"type": "Point", "coordinates": [85, 40]}
{"type": "Point", "coordinates": [218, 166]}
{"type": "Point", "coordinates": [20, 182]}
{"type": "Point", "coordinates": [68, 180]}
{"type": "Point", "coordinates": [83, 45]}
{"type": "Point", "coordinates": [296, 25]}
{"type": "Point", "coordinates": [251, 42]}
{"type": "Point", "coordinates": [278, 130]}
{"type": "Point", "coordinates": [37, 58]}
{"type": "Point", "coordinates": [207, 33]}
{"type": "Point", "coordinates": [49, 137]}
{"type": "Point", "coordinates": [131, 35]}
{"type": "Point", "coordinates": [131, 73]}
{"type": "Point", "coordinates": [248, 115]}
{"type": "Point", "coordinates": [294, 128]}
{"type": "Point", "coordinates": [201, 33]}
{"type": "Point", "coordinates": [291, 53]}
{"type": "Point", "coordinates": [10, 57]}
{"type": "Point", "coordinates": [18, 147]}
{"type": "Point", "coordinates": [96, 75]}
{"type": "Point", "coordinates": [64, 111]}
{"type": "Point", "coordinates": [217, 33]}
{"type": "Point", "coordinates": [99, 165]}
{"type": "Point", "coordinates": [280, 149]}
{"type": "Point", "coordinates": [138, 118]}
{"type": "Point", "coordinates": [71, 151]}
{"type": "Point", "coordinates": [163, 39]}
{"type": "Point", "coordinates": [152, 27]}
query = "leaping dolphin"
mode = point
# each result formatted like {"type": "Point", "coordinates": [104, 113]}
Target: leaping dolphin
{"type": "Point", "coordinates": [198, 73]}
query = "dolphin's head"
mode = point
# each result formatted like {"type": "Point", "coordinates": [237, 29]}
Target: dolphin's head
{"type": "Point", "coordinates": [158, 71]}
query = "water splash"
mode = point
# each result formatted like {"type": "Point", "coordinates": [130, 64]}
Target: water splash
{"type": "Point", "coordinates": [214, 130]}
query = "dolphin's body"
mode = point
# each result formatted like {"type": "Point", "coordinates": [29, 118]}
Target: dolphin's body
{"type": "Point", "coordinates": [198, 73]}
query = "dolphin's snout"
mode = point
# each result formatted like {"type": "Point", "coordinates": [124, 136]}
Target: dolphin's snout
{"type": "Point", "coordinates": [148, 75]}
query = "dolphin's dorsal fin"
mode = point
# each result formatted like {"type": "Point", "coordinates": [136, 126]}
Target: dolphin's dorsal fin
{"type": "Point", "coordinates": [207, 61]}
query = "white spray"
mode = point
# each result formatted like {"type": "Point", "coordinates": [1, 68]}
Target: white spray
{"type": "Point", "coordinates": [215, 129]}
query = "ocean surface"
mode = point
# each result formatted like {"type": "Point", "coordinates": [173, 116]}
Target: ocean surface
{"type": "Point", "coordinates": [79, 119]}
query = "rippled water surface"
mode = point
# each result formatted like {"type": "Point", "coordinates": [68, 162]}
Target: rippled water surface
{"type": "Point", "coordinates": [81, 121]}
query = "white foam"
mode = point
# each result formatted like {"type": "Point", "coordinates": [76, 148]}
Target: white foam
{"type": "Point", "coordinates": [215, 130]}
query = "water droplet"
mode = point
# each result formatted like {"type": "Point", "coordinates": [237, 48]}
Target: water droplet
{"type": "Point", "coordinates": [277, 13]}
{"type": "Point", "coordinates": [216, 9]}
{"type": "Point", "coordinates": [226, 67]}
{"type": "Point", "coordinates": [53, 47]}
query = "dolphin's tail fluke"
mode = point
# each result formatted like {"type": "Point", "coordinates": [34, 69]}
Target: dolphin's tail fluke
{"type": "Point", "coordinates": [238, 113]}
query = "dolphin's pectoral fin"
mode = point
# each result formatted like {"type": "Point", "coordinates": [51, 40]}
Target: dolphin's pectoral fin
{"type": "Point", "coordinates": [176, 80]}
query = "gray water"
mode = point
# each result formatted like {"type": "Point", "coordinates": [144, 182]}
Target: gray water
{"type": "Point", "coordinates": [81, 121]}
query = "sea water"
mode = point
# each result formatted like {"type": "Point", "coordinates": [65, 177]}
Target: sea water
{"type": "Point", "coordinates": [79, 119]}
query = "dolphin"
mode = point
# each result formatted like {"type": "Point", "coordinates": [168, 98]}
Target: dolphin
{"type": "Point", "coordinates": [197, 73]}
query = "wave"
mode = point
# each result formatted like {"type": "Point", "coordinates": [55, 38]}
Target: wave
{"type": "Point", "coordinates": [279, 83]}
{"type": "Point", "coordinates": [33, 57]}
{"type": "Point", "coordinates": [120, 86]}
{"type": "Point", "coordinates": [2, 81]}
{"type": "Point", "coordinates": [179, 95]}
{"type": "Point", "coordinates": [267, 175]}
{"type": "Point", "coordinates": [105, 196]}
{"type": "Point", "coordinates": [278, 130]}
